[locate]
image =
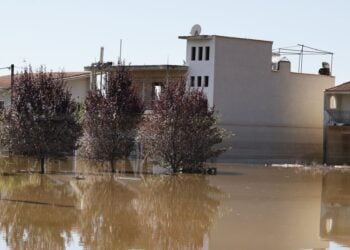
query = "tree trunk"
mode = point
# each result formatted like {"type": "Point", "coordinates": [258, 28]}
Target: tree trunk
{"type": "Point", "coordinates": [42, 165]}
{"type": "Point", "coordinates": [112, 166]}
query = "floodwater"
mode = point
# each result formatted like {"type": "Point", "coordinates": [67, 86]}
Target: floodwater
{"type": "Point", "coordinates": [242, 207]}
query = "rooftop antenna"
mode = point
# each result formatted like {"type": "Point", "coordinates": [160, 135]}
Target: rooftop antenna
{"type": "Point", "coordinates": [196, 30]}
{"type": "Point", "coordinates": [101, 54]}
{"type": "Point", "coordinates": [101, 62]}
{"type": "Point", "coordinates": [120, 52]}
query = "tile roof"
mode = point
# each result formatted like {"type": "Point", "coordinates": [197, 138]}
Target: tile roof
{"type": "Point", "coordinates": [342, 87]}
{"type": "Point", "coordinates": [5, 81]}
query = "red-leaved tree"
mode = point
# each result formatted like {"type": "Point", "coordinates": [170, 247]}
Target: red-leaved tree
{"type": "Point", "coordinates": [181, 131]}
{"type": "Point", "coordinates": [111, 118]}
{"type": "Point", "coordinates": [42, 120]}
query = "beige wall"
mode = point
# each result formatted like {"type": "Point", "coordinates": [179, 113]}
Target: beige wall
{"type": "Point", "coordinates": [144, 81]}
{"type": "Point", "coordinates": [79, 87]}
{"type": "Point", "coordinates": [277, 116]}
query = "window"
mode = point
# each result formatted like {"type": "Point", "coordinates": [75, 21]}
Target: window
{"type": "Point", "coordinates": [332, 102]}
{"type": "Point", "coordinates": [192, 81]}
{"type": "Point", "coordinates": [199, 81]}
{"type": "Point", "coordinates": [2, 104]}
{"type": "Point", "coordinates": [200, 54]}
{"type": "Point", "coordinates": [156, 91]}
{"type": "Point", "coordinates": [193, 53]}
{"type": "Point", "coordinates": [207, 53]}
{"type": "Point", "coordinates": [206, 81]}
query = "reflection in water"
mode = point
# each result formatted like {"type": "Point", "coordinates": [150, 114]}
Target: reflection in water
{"type": "Point", "coordinates": [107, 211]}
{"type": "Point", "coordinates": [108, 217]}
{"type": "Point", "coordinates": [178, 210]}
{"type": "Point", "coordinates": [29, 218]}
{"type": "Point", "coordinates": [335, 208]}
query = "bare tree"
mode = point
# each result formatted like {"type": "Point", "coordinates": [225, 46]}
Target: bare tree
{"type": "Point", "coordinates": [181, 131]}
{"type": "Point", "coordinates": [111, 118]}
{"type": "Point", "coordinates": [41, 121]}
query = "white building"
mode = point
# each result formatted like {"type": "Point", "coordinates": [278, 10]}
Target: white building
{"type": "Point", "coordinates": [276, 115]}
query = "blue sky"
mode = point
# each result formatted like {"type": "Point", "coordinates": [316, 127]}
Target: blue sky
{"type": "Point", "coordinates": [67, 34]}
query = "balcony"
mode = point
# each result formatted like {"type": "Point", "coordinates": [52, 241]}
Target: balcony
{"type": "Point", "coordinates": [334, 117]}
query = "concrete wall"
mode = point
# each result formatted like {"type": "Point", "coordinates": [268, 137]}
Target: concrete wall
{"type": "Point", "coordinates": [79, 87]}
{"type": "Point", "coordinates": [145, 80]}
{"type": "Point", "coordinates": [277, 116]}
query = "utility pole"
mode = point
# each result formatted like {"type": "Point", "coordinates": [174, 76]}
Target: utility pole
{"type": "Point", "coordinates": [12, 68]}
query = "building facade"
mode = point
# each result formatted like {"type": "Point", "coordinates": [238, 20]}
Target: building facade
{"type": "Point", "coordinates": [146, 79]}
{"type": "Point", "coordinates": [275, 114]}
{"type": "Point", "coordinates": [337, 124]}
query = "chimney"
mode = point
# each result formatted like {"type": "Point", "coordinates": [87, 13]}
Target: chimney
{"type": "Point", "coordinates": [101, 54]}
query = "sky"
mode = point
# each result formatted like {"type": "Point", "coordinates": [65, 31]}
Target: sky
{"type": "Point", "coordinates": [67, 34]}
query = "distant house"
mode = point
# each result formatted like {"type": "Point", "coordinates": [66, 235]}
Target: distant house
{"type": "Point", "coordinates": [275, 114]}
{"type": "Point", "coordinates": [77, 82]}
{"type": "Point", "coordinates": [147, 79]}
{"type": "Point", "coordinates": [337, 124]}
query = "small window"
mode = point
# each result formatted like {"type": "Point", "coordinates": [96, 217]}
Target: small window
{"type": "Point", "coordinates": [200, 53]}
{"type": "Point", "coordinates": [193, 53]}
{"type": "Point", "coordinates": [332, 102]}
{"type": "Point", "coordinates": [192, 81]}
{"type": "Point", "coordinates": [207, 53]}
{"type": "Point", "coordinates": [199, 81]}
{"type": "Point", "coordinates": [2, 104]}
{"type": "Point", "coordinates": [206, 81]}
{"type": "Point", "coordinates": [156, 91]}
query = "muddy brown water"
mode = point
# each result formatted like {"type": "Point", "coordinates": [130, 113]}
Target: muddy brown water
{"type": "Point", "coordinates": [243, 207]}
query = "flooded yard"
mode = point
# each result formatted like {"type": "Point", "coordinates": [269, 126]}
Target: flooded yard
{"type": "Point", "coordinates": [242, 207]}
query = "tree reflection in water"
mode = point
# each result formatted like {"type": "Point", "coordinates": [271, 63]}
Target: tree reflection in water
{"type": "Point", "coordinates": [35, 214]}
{"type": "Point", "coordinates": [107, 211]}
{"type": "Point", "coordinates": [178, 210]}
{"type": "Point", "coordinates": [108, 219]}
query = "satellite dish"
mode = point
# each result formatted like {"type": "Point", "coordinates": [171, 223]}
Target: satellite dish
{"type": "Point", "coordinates": [196, 30]}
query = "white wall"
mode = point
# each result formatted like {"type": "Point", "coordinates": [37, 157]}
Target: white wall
{"type": "Point", "coordinates": [202, 68]}
{"type": "Point", "coordinates": [79, 88]}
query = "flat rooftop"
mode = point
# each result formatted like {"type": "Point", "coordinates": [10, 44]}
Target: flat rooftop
{"type": "Point", "coordinates": [160, 67]}
{"type": "Point", "coordinates": [209, 37]}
